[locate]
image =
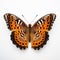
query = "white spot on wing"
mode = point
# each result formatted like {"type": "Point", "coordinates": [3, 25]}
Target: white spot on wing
{"type": "Point", "coordinates": [54, 16]}
{"type": "Point", "coordinates": [39, 22]}
{"type": "Point", "coordinates": [18, 21]}
{"type": "Point", "coordinates": [6, 17]}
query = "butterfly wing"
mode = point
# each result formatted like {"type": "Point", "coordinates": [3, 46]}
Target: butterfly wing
{"type": "Point", "coordinates": [39, 31]}
{"type": "Point", "coordinates": [20, 34]}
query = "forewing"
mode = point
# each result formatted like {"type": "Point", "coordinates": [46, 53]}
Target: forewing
{"type": "Point", "coordinates": [19, 35]}
{"type": "Point", "coordinates": [39, 31]}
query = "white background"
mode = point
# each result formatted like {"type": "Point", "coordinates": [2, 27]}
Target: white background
{"type": "Point", "coordinates": [29, 8]}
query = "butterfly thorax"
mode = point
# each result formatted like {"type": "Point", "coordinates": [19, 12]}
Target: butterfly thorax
{"type": "Point", "coordinates": [29, 32]}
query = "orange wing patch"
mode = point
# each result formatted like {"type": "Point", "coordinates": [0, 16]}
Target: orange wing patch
{"type": "Point", "coordinates": [19, 35]}
{"type": "Point", "coordinates": [39, 31]}
{"type": "Point", "coordinates": [15, 37]}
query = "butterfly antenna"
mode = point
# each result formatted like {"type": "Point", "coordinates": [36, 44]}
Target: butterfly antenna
{"type": "Point", "coordinates": [24, 18]}
{"type": "Point", "coordinates": [34, 18]}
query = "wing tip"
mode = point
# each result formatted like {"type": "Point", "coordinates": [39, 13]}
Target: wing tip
{"type": "Point", "coordinates": [6, 19]}
{"type": "Point", "coordinates": [54, 16]}
{"type": "Point", "coordinates": [52, 21]}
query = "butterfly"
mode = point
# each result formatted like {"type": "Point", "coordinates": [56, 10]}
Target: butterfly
{"type": "Point", "coordinates": [21, 34]}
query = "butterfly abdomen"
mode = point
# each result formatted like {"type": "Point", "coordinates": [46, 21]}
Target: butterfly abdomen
{"type": "Point", "coordinates": [29, 32]}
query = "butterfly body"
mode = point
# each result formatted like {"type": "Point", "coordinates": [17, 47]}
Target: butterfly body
{"type": "Point", "coordinates": [22, 34]}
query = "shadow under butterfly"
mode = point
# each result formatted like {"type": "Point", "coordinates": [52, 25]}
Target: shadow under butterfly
{"type": "Point", "coordinates": [21, 34]}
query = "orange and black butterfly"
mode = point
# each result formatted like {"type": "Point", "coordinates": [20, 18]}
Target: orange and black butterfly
{"type": "Point", "coordinates": [22, 34]}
